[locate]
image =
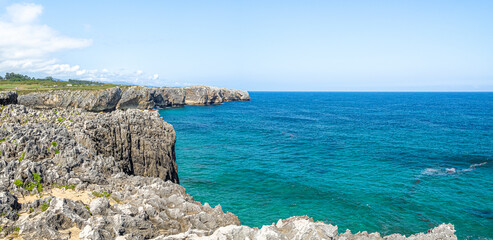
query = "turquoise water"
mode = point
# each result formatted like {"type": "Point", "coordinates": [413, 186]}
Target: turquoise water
{"type": "Point", "coordinates": [386, 162]}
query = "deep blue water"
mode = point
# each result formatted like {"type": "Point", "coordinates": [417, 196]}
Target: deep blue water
{"type": "Point", "coordinates": [363, 161]}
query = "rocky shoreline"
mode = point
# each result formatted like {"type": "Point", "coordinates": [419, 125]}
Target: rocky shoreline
{"type": "Point", "coordinates": [74, 168]}
{"type": "Point", "coordinates": [133, 97]}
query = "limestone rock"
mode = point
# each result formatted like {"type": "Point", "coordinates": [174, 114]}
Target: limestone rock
{"type": "Point", "coordinates": [96, 101]}
{"type": "Point", "coordinates": [9, 206]}
{"type": "Point", "coordinates": [8, 97]}
{"type": "Point", "coordinates": [133, 97]}
{"type": "Point", "coordinates": [79, 143]}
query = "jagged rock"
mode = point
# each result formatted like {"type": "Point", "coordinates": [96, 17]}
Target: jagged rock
{"type": "Point", "coordinates": [9, 206]}
{"type": "Point", "coordinates": [133, 97]}
{"type": "Point", "coordinates": [8, 97]}
{"type": "Point", "coordinates": [301, 228]}
{"type": "Point", "coordinates": [61, 214]}
{"type": "Point", "coordinates": [135, 142]}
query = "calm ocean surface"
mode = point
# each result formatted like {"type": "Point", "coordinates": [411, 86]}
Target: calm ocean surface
{"type": "Point", "coordinates": [386, 162]}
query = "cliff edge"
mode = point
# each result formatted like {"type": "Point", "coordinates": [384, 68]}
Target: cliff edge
{"type": "Point", "coordinates": [133, 97]}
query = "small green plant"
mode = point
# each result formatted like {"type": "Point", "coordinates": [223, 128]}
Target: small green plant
{"type": "Point", "coordinates": [37, 178]}
{"type": "Point", "coordinates": [57, 151]}
{"type": "Point", "coordinates": [88, 209]}
{"type": "Point", "coordinates": [2, 140]}
{"type": "Point", "coordinates": [54, 144]}
{"type": "Point", "coordinates": [1, 229]}
{"type": "Point", "coordinates": [23, 155]}
{"type": "Point", "coordinates": [61, 119]}
{"type": "Point", "coordinates": [30, 186]}
{"type": "Point", "coordinates": [44, 206]}
{"type": "Point", "coordinates": [31, 210]}
{"type": "Point", "coordinates": [18, 183]}
{"type": "Point", "coordinates": [16, 229]}
{"type": "Point", "coordinates": [116, 199]}
{"type": "Point", "coordinates": [103, 194]}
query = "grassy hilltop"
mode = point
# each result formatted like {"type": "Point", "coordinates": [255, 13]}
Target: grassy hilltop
{"type": "Point", "coordinates": [24, 84]}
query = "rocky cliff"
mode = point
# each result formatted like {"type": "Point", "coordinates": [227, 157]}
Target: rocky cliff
{"type": "Point", "coordinates": [133, 97]}
{"type": "Point", "coordinates": [73, 174]}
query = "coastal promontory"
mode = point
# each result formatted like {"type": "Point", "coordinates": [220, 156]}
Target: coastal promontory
{"type": "Point", "coordinates": [132, 97]}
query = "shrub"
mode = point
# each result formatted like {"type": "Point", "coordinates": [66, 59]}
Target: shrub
{"type": "Point", "coordinates": [16, 229]}
{"type": "Point", "coordinates": [44, 206]}
{"type": "Point", "coordinates": [61, 119]}
{"type": "Point", "coordinates": [30, 186]}
{"type": "Point", "coordinates": [18, 183]}
{"type": "Point", "coordinates": [37, 178]}
{"type": "Point", "coordinates": [22, 156]}
{"type": "Point", "coordinates": [54, 144]}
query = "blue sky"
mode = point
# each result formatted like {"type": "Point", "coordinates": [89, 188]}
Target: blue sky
{"type": "Point", "coordinates": [255, 45]}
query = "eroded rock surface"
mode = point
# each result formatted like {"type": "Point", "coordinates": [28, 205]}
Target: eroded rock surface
{"type": "Point", "coordinates": [134, 142]}
{"type": "Point", "coordinates": [8, 97]}
{"type": "Point", "coordinates": [133, 97]}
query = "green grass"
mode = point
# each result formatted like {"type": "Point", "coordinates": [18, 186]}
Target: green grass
{"type": "Point", "coordinates": [22, 156]}
{"type": "Point", "coordinates": [44, 206]}
{"type": "Point", "coordinates": [103, 194]}
{"type": "Point", "coordinates": [39, 85]}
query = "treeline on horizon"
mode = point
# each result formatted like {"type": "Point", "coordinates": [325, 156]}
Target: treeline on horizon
{"type": "Point", "coordinates": [15, 77]}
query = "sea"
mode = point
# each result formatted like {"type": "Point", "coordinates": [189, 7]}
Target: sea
{"type": "Point", "coordinates": [365, 161]}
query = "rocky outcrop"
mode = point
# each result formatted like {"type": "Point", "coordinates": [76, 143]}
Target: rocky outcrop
{"type": "Point", "coordinates": [70, 174]}
{"type": "Point", "coordinates": [133, 97]}
{"type": "Point", "coordinates": [8, 97]}
{"type": "Point", "coordinates": [134, 142]}
{"type": "Point", "coordinates": [305, 228]}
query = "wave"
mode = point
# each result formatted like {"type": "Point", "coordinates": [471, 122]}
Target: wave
{"type": "Point", "coordinates": [445, 171]}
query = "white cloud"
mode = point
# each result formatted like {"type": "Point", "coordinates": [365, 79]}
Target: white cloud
{"type": "Point", "coordinates": [21, 37]}
{"type": "Point", "coordinates": [26, 46]}
{"type": "Point", "coordinates": [24, 13]}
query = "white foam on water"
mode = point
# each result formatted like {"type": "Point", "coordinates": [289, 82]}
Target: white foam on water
{"type": "Point", "coordinates": [450, 171]}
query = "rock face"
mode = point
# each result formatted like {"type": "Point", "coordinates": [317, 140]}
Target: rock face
{"type": "Point", "coordinates": [134, 142]}
{"type": "Point", "coordinates": [133, 97]}
{"type": "Point", "coordinates": [8, 97]}
{"type": "Point", "coordinates": [72, 174]}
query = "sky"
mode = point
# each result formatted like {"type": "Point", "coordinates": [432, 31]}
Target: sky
{"type": "Point", "coordinates": [255, 45]}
